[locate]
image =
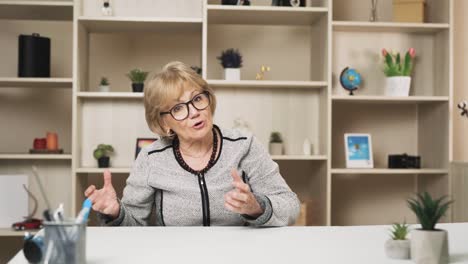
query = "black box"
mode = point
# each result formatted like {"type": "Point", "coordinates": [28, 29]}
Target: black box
{"type": "Point", "coordinates": [33, 56]}
{"type": "Point", "coordinates": [404, 161]}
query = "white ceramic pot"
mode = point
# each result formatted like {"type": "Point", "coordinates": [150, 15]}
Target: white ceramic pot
{"type": "Point", "coordinates": [232, 74]}
{"type": "Point", "coordinates": [397, 249]}
{"type": "Point", "coordinates": [276, 148]}
{"type": "Point", "coordinates": [104, 88]}
{"type": "Point", "coordinates": [429, 247]}
{"type": "Point", "coordinates": [398, 86]}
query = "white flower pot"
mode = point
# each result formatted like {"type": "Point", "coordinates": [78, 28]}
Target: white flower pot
{"type": "Point", "coordinates": [104, 88]}
{"type": "Point", "coordinates": [429, 247]}
{"type": "Point", "coordinates": [276, 148]}
{"type": "Point", "coordinates": [397, 249]}
{"type": "Point", "coordinates": [232, 74]}
{"type": "Point", "coordinates": [398, 86]}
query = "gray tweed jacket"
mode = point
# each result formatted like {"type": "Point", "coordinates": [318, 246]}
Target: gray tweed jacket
{"type": "Point", "coordinates": [159, 183]}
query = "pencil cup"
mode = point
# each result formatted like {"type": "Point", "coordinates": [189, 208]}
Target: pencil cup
{"type": "Point", "coordinates": [64, 242]}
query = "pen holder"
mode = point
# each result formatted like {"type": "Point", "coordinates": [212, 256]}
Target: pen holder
{"type": "Point", "coordinates": [64, 242]}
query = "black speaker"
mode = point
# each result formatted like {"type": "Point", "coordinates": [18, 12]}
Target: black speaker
{"type": "Point", "coordinates": [33, 56]}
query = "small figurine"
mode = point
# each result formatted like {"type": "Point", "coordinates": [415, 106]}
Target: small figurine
{"type": "Point", "coordinates": [462, 106]}
{"type": "Point", "coordinates": [106, 8]}
{"type": "Point", "coordinates": [261, 75]}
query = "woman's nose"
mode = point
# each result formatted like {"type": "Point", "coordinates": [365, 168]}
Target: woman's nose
{"type": "Point", "coordinates": [193, 112]}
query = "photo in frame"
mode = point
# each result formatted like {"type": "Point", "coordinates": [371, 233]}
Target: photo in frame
{"type": "Point", "coordinates": [358, 149]}
{"type": "Point", "coordinates": [141, 143]}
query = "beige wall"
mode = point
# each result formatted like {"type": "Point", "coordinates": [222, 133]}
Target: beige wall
{"type": "Point", "coordinates": [460, 125]}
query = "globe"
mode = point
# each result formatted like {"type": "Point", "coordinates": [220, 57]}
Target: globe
{"type": "Point", "coordinates": [350, 79]}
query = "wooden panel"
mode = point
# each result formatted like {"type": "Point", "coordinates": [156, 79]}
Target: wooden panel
{"type": "Point", "coordinates": [459, 174]}
{"type": "Point", "coordinates": [37, 10]}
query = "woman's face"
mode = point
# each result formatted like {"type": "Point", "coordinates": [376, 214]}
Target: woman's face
{"type": "Point", "coordinates": [198, 122]}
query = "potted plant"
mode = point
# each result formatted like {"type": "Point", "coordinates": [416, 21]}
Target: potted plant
{"type": "Point", "coordinates": [276, 143]}
{"type": "Point", "coordinates": [138, 77]}
{"type": "Point", "coordinates": [101, 153]}
{"type": "Point", "coordinates": [428, 244]}
{"type": "Point", "coordinates": [398, 71]}
{"type": "Point", "coordinates": [398, 247]}
{"type": "Point", "coordinates": [104, 85]}
{"type": "Point", "coordinates": [231, 60]}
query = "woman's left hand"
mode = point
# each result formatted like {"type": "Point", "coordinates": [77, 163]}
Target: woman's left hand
{"type": "Point", "coordinates": [241, 200]}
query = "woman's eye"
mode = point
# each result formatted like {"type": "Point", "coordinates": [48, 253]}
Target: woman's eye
{"type": "Point", "coordinates": [197, 98]}
{"type": "Point", "coordinates": [177, 108]}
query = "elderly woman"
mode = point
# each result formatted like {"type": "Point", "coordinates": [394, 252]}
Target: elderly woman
{"type": "Point", "coordinates": [196, 173]}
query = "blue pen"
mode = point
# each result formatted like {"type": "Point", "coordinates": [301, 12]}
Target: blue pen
{"type": "Point", "coordinates": [84, 213]}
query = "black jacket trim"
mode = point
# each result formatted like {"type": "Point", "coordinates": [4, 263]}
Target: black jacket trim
{"type": "Point", "coordinates": [159, 150]}
{"type": "Point", "coordinates": [161, 209]}
{"type": "Point", "coordinates": [235, 139]}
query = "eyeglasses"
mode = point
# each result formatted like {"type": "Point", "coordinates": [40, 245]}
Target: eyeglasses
{"type": "Point", "coordinates": [181, 111]}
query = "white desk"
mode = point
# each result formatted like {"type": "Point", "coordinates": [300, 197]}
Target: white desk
{"type": "Point", "coordinates": [357, 244]}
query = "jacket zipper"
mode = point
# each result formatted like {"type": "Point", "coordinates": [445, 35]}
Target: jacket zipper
{"type": "Point", "coordinates": [205, 199]}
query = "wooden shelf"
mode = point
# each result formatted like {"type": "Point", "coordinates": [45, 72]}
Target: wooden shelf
{"type": "Point", "coordinates": [140, 24]}
{"type": "Point", "coordinates": [354, 26]}
{"type": "Point", "coordinates": [389, 171]}
{"type": "Point", "coordinates": [35, 156]}
{"type": "Point", "coordinates": [110, 95]}
{"type": "Point", "coordinates": [36, 82]}
{"type": "Point", "coordinates": [37, 10]}
{"type": "Point", "coordinates": [389, 99]}
{"type": "Point", "coordinates": [264, 15]}
{"type": "Point", "coordinates": [299, 157]}
{"type": "Point", "coordinates": [8, 232]}
{"type": "Point", "coordinates": [267, 84]}
{"type": "Point", "coordinates": [101, 170]}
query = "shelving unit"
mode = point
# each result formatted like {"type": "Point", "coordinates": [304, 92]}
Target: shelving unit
{"type": "Point", "coordinates": [301, 97]}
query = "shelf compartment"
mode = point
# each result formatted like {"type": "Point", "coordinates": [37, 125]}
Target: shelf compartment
{"type": "Point", "coordinates": [267, 84]}
{"type": "Point", "coordinates": [264, 15]}
{"type": "Point", "coordinates": [36, 10]}
{"type": "Point", "coordinates": [36, 82]}
{"type": "Point", "coordinates": [35, 156]}
{"type": "Point", "coordinates": [356, 26]}
{"type": "Point", "coordinates": [8, 232]}
{"type": "Point", "coordinates": [140, 24]}
{"type": "Point", "coordinates": [389, 99]}
{"type": "Point", "coordinates": [389, 171]}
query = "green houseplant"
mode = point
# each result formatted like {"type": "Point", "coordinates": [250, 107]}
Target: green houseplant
{"type": "Point", "coordinates": [398, 247]}
{"type": "Point", "coordinates": [231, 60]}
{"type": "Point", "coordinates": [276, 143]}
{"type": "Point", "coordinates": [398, 71]}
{"type": "Point", "coordinates": [428, 244]}
{"type": "Point", "coordinates": [101, 154]}
{"type": "Point", "coordinates": [104, 85]}
{"type": "Point", "coordinates": [138, 77]}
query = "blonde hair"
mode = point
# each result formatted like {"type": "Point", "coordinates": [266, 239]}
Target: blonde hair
{"type": "Point", "coordinates": [164, 87]}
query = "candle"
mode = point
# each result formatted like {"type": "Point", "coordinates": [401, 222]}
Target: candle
{"type": "Point", "coordinates": [52, 141]}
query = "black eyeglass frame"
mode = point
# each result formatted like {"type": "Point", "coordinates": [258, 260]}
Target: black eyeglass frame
{"type": "Point", "coordinates": [187, 106]}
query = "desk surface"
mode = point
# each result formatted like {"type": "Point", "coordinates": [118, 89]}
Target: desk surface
{"type": "Point", "coordinates": [354, 244]}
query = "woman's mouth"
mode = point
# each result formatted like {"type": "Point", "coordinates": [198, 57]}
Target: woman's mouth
{"type": "Point", "coordinates": [199, 125]}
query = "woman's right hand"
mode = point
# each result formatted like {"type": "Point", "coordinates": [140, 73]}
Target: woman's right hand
{"type": "Point", "coordinates": [104, 200]}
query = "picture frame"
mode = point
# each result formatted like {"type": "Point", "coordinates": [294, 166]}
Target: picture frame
{"type": "Point", "coordinates": [358, 150]}
{"type": "Point", "coordinates": [141, 143]}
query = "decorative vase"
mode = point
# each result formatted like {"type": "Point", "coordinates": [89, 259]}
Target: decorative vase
{"type": "Point", "coordinates": [398, 86]}
{"type": "Point", "coordinates": [429, 247]}
{"type": "Point", "coordinates": [397, 249]}
{"type": "Point", "coordinates": [276, 148]}
{"type": "Point", "coordinates": [106, 9]}
{"type": "Point", "coordinates": [104, 88]}
{"type": "Point", "coordinates": [103, 162]}
{"type": "Point", "coordinates": [137, 87]}
{"type": "Point", "coordinates": [306, 148]}
{"type": "Point", "coordinates": [232, 74]}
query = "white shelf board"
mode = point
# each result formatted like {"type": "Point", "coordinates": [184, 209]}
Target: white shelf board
{"type": "Point", "coordinates": [299, 157]}
{"type": "Point", "coordinates": [356, 26]}
{"type": "Point", "coordinates": [110, 95]}
{"type": "Point", "coordinates": [101, 170]}
{"type": "Point", "coordinates": [8, 232]}
{"type": "Point", "coordinates": [36, 10]}
{"type": "Point", "coordinates": [389, 171]}
{"type": "Point", "coordinates": [266, 84]}
{"type": "Point", "coordinates": [36, 82]}
{"type": "Point", "coordinates": [141, 24]}
{"type": "Point", "coordinates": [264, 15]}
{"type": "Point", "coordinates": [35, 156]}
{"type": "Point", "coordinates": [388, 99]}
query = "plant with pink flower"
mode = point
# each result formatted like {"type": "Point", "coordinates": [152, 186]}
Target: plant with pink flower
{"type": "Point", "coordinates": [395, 66]}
